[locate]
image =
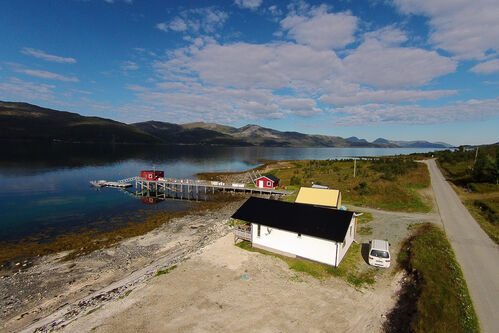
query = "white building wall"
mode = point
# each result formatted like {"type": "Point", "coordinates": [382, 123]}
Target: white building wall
{"type": "Point", "coordinates": [342, 250]}
{"type": "Point", "coordinates": [305, 246]}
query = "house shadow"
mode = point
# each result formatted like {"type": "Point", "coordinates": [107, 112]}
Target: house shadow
{"type": "Point", "coordinates": [364, 251]}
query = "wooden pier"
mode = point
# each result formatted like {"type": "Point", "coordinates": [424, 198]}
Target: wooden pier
{"type": "Point", "coordinates": [198, 186]}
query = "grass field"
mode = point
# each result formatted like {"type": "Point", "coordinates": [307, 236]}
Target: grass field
{"type": "Point", "coordinates": [349, 269]}
{"type": "Point", "coordinates": [484, 207]}
{"type": "Point", "coordinates": [386, 183]}
{"type": "Point", "coordinates": [441, 295]}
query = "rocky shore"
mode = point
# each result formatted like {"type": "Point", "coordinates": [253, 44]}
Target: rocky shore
{"type": "Point", "coordinates": [46, 293]}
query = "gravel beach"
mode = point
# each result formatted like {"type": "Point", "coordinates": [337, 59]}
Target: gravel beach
{"type": "Point", "coordinates": [38, 287]}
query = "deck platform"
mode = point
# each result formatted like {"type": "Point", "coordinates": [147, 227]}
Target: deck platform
{"type": "Point", "coordinates": [103, 183]}
{"type": "Point", "coordinates": [200, 186]}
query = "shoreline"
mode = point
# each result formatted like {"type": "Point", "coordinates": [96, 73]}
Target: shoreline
{"type": "Point", "coordinates": [27, 250]}
{"type": "Point", "coordinates": [56, 286]}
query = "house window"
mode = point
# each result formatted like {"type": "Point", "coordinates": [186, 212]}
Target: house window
{"type": "Point", "coordinates": [269, 184]}
{"type": "Point", "coordinates": [258, 230]}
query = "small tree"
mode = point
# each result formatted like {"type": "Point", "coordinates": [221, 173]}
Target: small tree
{"type": "Point", "coordinates": [485, 169]}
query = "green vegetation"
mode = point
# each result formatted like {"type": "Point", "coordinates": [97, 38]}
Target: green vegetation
{"type": "Point", "coordinates": [349, 269]}
{"type": "Point", "coordinates": [476, 176]}
{"type": "Point", "coordinates": [364, 218]}
{"type": "Point", "coordinates": [486, 213]}
{"type": "Point", "coordinates": [128, 292]}
{"type": "Point", "coordinates": [464, 167]}
{"type": "Point", "coordinates": [165, 271]}
{"type": "Point", "coordinates": [441, 296]}
{"type": "Point", "coordinates": [235, 222]}
{"type": "Point", "coordinates": [365, 230]}
{"type": "Point", "coordinates": [387, 183]}
{"type": "Point", "coordinates": [26, 122]}
{"type": "Point", "coordinates": [93, 310]}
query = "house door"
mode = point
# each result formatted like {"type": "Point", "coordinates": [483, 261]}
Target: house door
{"type": "Point", "coordinates": [260, 183]}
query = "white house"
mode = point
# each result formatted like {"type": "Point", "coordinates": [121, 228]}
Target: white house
{"type": "Point", "coordinates": [298, 230]}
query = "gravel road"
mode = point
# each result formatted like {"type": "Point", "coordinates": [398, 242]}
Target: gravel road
{"type": "Point", "coordinates": [475, 251]}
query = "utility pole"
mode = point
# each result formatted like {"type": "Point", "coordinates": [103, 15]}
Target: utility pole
{"type": "Point", "coordinates": [354, 166]}
{"type": "Point", "coordinates": [474, 162]}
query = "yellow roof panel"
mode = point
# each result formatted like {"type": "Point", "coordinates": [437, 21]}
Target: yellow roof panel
{"type": "Point", "coordinates": [318, 196]}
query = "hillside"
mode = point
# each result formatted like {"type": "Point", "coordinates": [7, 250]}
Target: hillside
{"type": "Point", "coordinates": [180, 134]}
{"type": "Point", "coordinates": [26, 122]}
{"type": "Point", "coordinates": [413, 144]}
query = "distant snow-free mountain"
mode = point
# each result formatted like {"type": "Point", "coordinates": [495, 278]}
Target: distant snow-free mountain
{"type": "Point", "coordinates": [27, 122]}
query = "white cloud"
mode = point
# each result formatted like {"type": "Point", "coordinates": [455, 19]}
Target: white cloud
{"type": "Point", "coordinates": [320, 29]}
{"type": "Point", "coordinates": [274, 10]}
{"type": "Point", "coordinates": [45, 56]}
{"type": "Point", "coordinates": [129, 66]}
{"type": "Point", "coordinates": [237, 81]}
{"type": "Point", "coordinates": [488, 67]}
{"type": "Point", "coordinates": [84, 92]}
{"type": "Point", "coordinates": [16, 89]}
{"type": "Point", "coordinates": [304, 107]}
{"type": "Point", "coordinates": [395, 67]}
{"type": "Point", "coordinates": [384, 96]}
{"type": "Point", "coordinates": [47, 75]}
{"type": "Point", "coordinates": [162, 26]}
{"type": "Point", "coordinates": [467, 29]}
{"type": "Point", "coordinates": [177, 24]}
{"type": "Point", "coordinates": [197, 20]}
{"type": "Point", "coordinates": [250, 4]}
{"type": "Point", "coordinates": [244, 65]}
{"type": "Point", "coordinates": [377, 114]}
{"type": "Point", "coordinates": [135, 87]}
{"type": "Point", "coordinates": [387, 36]}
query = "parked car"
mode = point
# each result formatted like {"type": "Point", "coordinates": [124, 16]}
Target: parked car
{"type": "Point", "coordinates": [379, 253]}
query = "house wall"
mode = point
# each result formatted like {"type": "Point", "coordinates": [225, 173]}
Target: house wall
{"type": "Point", "coordinates": [286, 242]}
{"type": "Point", "coordinates": [265, 183]}
{"type": "Point", "coordinates": [349, 237]}
{"type": "Point", "coordinates": [150, 175]}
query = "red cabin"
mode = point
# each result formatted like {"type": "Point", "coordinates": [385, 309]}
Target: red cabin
{"type": "Point", "coordinates": [152, 174]}
{"type": "Point", "coordinates": [268, 181]}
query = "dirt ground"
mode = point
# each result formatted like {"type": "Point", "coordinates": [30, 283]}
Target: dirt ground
{"type": "Point", "coordinates": [226, 288]}
{"type": "Point", "coordinates": [49, 292]}
{"type": "Point", "coordinates": [219, 288]}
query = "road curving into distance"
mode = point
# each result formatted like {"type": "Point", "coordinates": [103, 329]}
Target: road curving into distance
{"type": "Point", "coordinates": [477, 254]}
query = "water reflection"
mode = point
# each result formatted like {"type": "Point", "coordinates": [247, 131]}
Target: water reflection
{"type": "Point", "coordinates": [46, 187]}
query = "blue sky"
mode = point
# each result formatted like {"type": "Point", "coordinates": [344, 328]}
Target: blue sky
{"type": "Point", "coordinates": [398, 69]}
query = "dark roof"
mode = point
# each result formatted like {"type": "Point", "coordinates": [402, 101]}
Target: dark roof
{"type": "Point", "coordinates": [306, 219]}
{"type": "Point", "coordinates": [272, 178]}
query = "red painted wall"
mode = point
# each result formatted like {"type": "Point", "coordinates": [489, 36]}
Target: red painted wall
{"type": "Point", "coordinates": [265, 182]}
{"type": "Point", "coordinates": [152, 175]}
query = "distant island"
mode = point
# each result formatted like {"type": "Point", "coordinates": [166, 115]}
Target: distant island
{"type": "Point", "coordinates": [27, 122]}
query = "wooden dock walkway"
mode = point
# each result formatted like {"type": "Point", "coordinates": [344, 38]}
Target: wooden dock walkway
{"type": "Point", "coordinates": [199, 186]}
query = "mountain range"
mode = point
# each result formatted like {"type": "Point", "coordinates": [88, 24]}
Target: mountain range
{"type": "Point", "coordinates": [27, 122]}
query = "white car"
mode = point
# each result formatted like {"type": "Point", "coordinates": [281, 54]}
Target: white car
{"type": "Point", "coordinates": [379, 253]}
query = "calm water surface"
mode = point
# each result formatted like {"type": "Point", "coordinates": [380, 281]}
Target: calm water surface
{"type": "Point", "coordinates": [45, 189]}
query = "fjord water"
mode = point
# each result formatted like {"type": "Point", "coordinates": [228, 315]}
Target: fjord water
{"type": "Point", "coordinates": [45, 190]}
